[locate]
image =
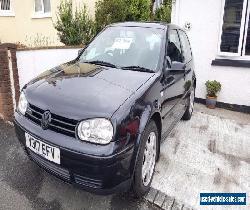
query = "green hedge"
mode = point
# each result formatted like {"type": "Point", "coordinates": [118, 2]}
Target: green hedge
{"type": "Point", "coordinates": [164, 12]}
{"type": "Point", "coordinates": [76, 27]}
{"type": "Point", "coordinates": [113, 11]}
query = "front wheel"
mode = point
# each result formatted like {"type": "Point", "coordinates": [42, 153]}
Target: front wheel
{"type": "Point", "coordinates": [190, 108]}
{"type": "Point", "coordinates": [147, 156]}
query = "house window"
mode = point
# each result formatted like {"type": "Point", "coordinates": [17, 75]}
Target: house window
{"type": "Point", "coordinates": [5, 5]}
{"type": "Point", "coordinates": [5, 8]}
{"type": "Point", "coordinates": [247, 46]}
{"type": "Point", "coordinates": [42, 8]}
{"type": "Point", "coordinates": [235, 36]}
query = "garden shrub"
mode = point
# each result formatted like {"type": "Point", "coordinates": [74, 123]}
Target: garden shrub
{"type": "Point", "coordinates": [138, 10]}
{"type": "Point", "coordinates": [113, 11]}
{"type": "Point", "coordinates": [163, 13]}
{"type": "Point", "coordinates": [74, 26]}
{"type": "Point", "coordinates": [109, 11]}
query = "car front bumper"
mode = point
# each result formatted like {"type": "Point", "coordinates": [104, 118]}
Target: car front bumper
{"type": "Point", "coordinates": [91, 170]}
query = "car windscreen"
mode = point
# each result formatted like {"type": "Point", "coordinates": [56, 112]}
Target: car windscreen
{"type": "Point", "coordinates": [126, 47]}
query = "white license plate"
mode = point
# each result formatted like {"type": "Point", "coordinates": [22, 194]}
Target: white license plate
{"type": "Point", "coordinates": [47, 151]}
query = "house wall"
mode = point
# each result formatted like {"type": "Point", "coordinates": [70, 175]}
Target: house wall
{"type": "Point", "coordinates": [31, 63]}
{"type": "Point", "coordinates": [205, 17]}
{"type": "Point", "coordinates": [24, 28]}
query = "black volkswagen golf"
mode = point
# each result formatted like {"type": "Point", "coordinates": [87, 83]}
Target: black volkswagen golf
{"type": "Point", "coordinates": [97, 121]}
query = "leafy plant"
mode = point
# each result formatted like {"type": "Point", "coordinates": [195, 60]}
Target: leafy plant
{"type": "Point", "coordinates": [109, 11]}
{"type": "Point", "coordinates": [38, 40]}
{"type": "Point", "coordinates": [74, 27]}
{"type": "Point", "coordinates": [138, 10]}
{"type": "Point", "coordinates": [112, 11]}
{"type": "Point", "coordinates": [213, 87]}
{"type": "Point", "coordinates": [163, 13]}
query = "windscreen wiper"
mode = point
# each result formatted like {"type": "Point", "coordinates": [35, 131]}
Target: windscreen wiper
{"type": "Point", "coordinates": [138, 68]}
{"type": "Point", "coordinates": [102, 63]}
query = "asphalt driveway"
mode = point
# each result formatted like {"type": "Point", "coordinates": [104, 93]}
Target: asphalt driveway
{"type": "Point", "coordinates": [24, 186]}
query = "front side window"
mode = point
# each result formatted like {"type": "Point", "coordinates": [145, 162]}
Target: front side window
{"type": "Point", "coordinates": [126, 46]}
{"type": "Point", "coordinates": [235, 34]}
{"type": "Point", "coordinates": [174, 47]}
{"type": "Point", "coordinates": [42, 6]}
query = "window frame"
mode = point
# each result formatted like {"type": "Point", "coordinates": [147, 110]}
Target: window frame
{"type": "Point", "coordinates": [7, 13]}
{"type": "Point", "coordinates": [182, 47]}
{"type": "Point", "coordinates": [242, 39]}
{"type": "Point", "coordinates": [246, 31]}
{"type": "Point", "coordinates": [42, 13]}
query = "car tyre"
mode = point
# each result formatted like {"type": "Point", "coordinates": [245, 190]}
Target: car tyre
{"type": "Point", "coordinates": [145, 166]}
{"type": "Point", "coordinates": [190, 108]}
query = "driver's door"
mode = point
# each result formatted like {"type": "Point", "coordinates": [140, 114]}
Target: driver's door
{"type": "Point", "coordinates": [174, 80]}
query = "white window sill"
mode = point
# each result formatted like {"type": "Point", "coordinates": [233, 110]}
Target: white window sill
{"type": "Point", "coordinates": [7, 13]}
{"type": "Point", "coordinates": [233, 57]}
{"type": "Point", "coordinates": [41, 15]}
{"type": "Point", "coordinates": [232, 62]}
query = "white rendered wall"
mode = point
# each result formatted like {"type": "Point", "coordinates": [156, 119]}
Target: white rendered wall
{"type": "Point", "coordinates": [205, 18]}
{"type": "Point", "coordinates": [31, 63]}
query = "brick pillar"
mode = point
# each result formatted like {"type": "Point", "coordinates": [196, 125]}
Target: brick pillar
{"type": "Point", "coordinates": [9, 81]}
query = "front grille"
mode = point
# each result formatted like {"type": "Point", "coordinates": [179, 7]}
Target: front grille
{"type": "Point", "coordinates": [88, 182]}
{"type": "Point", "coordinates": [58, 123]}
{"type": "Point", "coordinates": [50, 167]}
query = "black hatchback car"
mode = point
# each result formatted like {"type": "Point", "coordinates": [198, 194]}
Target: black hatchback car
{"type": "Point", "coordinates": [98, 121]}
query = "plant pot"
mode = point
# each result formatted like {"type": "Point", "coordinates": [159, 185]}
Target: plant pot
{"type": "Point", "coordinates": [211, 102]}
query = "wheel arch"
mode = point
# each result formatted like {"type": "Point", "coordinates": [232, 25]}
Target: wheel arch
{"type": "Point", "coordinates": [147, 116]}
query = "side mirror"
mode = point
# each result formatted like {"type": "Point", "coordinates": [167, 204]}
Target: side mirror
{"type": "Point", "coordinates": [177, 67]}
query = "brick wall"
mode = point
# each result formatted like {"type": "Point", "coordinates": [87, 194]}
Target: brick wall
{"type": "Point", "coordinates": [7, 57]}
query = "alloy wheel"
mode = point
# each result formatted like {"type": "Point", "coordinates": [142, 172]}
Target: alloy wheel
{"type": "Point", "coordinates": [149, 159]}
{"type": "Point", "coordinates": [191, 101]}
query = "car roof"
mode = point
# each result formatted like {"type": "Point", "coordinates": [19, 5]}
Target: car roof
{"type": "Point", "coordinates": [152, 24]}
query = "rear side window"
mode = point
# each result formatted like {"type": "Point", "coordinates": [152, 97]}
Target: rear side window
{"type": "Point", "coordinates": [186, 48]}
{"type": "Point", "coordinates": [174, 47]}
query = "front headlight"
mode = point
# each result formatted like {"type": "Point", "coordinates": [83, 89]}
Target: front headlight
{"type": "Point", "coordinates": [99, 131]}
{"type": "Point", "coordinates": [22, 104]}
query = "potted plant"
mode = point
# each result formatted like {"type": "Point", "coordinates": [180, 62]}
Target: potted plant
{"type": "Point", "coordinates": [213, 87]}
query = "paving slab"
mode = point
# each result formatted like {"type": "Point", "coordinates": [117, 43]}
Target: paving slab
{"type": "Point", "coordinates": [186, 208]}
{"type": "Point", "coordinates": [159, 199]}
{"type": "Point", "coordinates": [151, 195]}
{"type": "Point", "coordinates": [168, 203]}
{"type": "Point", "coordinates": [177, 206]}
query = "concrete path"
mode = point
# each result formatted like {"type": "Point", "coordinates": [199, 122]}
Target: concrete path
{"type": "Point", "coordinates": [210, 153]}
